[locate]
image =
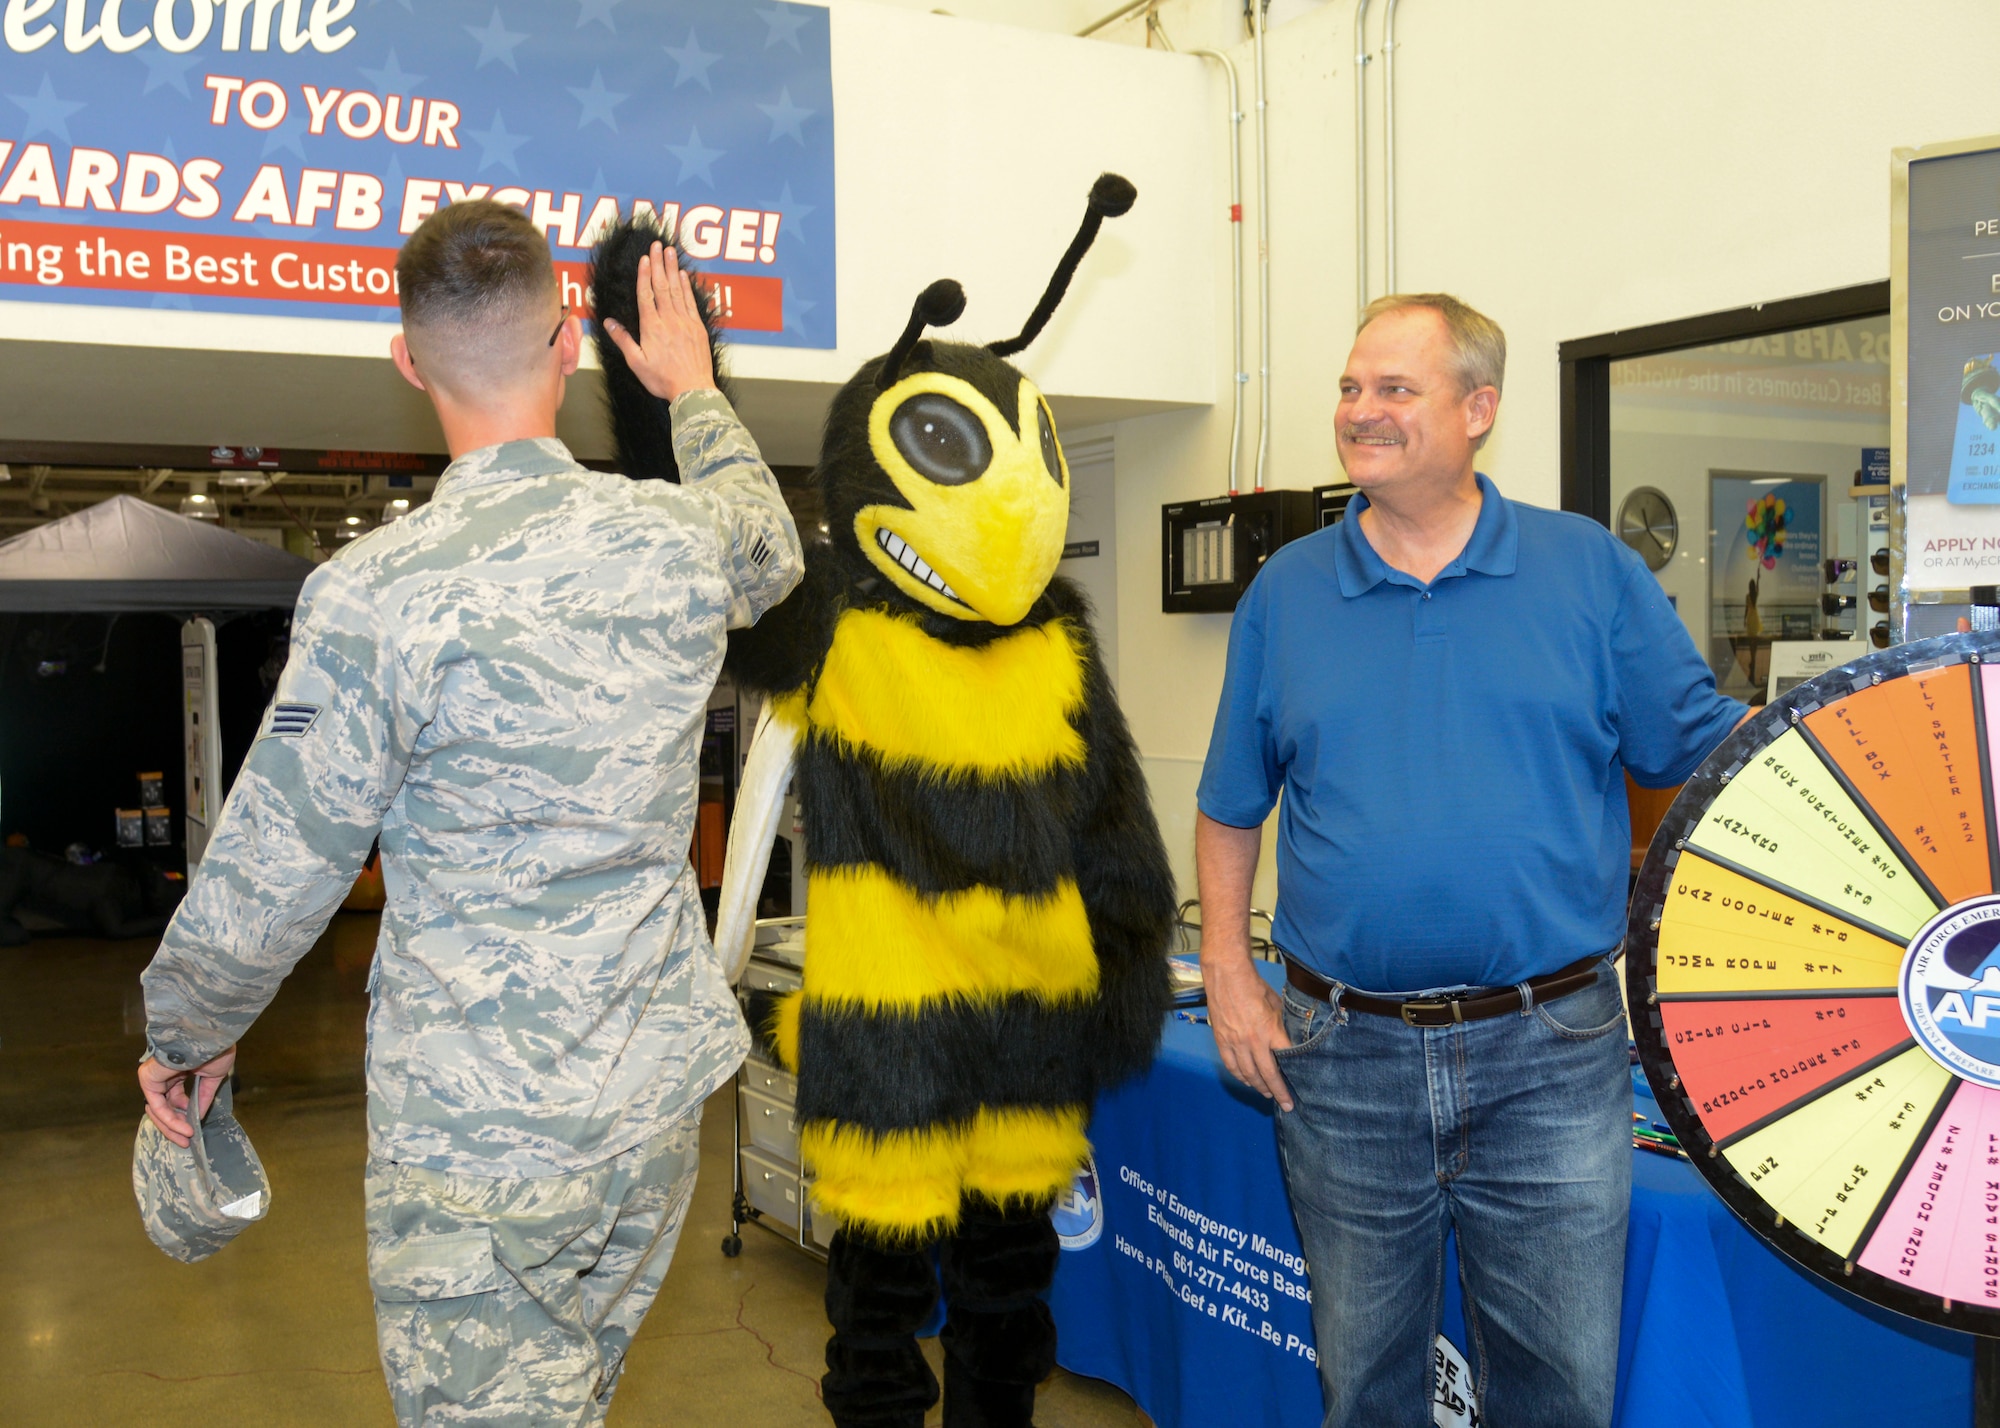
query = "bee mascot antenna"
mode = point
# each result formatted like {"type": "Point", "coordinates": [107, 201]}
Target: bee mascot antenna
{"type": "Point", "coordinates": [989, 898]}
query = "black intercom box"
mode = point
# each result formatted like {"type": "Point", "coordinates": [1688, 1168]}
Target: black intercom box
{"type": "Point", "coordinates": [1211, 550]}
{"type": "Point", "coordinates": [1330, 504]}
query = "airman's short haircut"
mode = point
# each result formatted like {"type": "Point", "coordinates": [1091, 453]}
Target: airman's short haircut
{"type": "Point", "coordinates": [478, 292]}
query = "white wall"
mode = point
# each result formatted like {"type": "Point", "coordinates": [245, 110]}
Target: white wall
{"type": "Point", "coordinates": [1569, 167]}
{"type": "Point", "coordinates": [1062, 17]}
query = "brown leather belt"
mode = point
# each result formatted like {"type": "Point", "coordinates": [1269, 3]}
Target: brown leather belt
{"type": "Point", "coordinates": [1474, 1005]}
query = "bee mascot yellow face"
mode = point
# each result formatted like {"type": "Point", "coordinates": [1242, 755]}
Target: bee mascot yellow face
{"type": "Point", "coordinates": [941, 461]}
{"type": "Point", "coordinates": [989, 899]}
{"type": "Point", "coordinates": [973, 524]}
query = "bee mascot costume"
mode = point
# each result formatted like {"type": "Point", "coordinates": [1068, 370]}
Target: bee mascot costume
{"type": "Point", "coordinates": [989, 899]}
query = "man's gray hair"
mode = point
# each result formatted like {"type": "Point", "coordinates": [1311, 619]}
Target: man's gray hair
{"type": "Point", "coordinates": [1478, 346]}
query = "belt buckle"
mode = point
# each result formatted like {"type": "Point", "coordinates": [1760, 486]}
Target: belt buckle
{"type": "Point", "coordinates": [1408, 1008]}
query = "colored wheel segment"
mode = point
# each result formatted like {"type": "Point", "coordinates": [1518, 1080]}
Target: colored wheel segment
{"type": "Point", "coordinates": [1828, 1164]}
{"type": "Point", "coordinates": [1813, 966]}
{"type": "Point", "coordinates": [1722, 931]}
{"type": "Point", "coordinates": [1745, 1061]}
{"type": "Point", "coordinates": [1910, 749]}
{"type": "Point", "coordinates": [1787, 817]}
{"type": "Point", "coordinates": [1941, 1234]}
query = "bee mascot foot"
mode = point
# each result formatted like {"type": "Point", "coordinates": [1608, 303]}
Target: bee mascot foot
{"type": "Point", "coordinates": [999, 1337]}
{"type": "Point", "coordinates": [877, 1298]}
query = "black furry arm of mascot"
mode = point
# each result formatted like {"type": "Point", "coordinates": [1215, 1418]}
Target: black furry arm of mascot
{"type": "Point", "coordinates": [639, 424]}
{"type": "Point", "coordinates": [1122, 872]}
{"type": "Point", "coordinates": [781, 652]}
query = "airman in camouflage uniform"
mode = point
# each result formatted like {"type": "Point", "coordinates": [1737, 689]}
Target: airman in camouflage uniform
{"type": "Point", "coordinates": [509, 685]}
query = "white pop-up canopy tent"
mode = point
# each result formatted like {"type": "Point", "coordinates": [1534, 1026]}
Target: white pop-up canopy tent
{"type": "Point", "coordinates": [125, 555]}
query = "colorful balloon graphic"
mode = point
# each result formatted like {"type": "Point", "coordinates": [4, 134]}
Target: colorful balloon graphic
{"type": "Point", "coordinates": [1764, 528]}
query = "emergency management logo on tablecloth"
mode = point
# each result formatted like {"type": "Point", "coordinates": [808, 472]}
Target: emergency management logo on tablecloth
{"type": "Point", "coordinates": [1079, 1215]}
{"type": "Point", "coordinates": [1950, 990]}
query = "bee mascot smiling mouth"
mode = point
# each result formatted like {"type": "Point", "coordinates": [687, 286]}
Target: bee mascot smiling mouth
{"type": "Point", "coordinates": [989, 898]}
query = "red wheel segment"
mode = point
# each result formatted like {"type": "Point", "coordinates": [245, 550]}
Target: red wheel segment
{"type": "Point", "coordinates": [1744, 1062]}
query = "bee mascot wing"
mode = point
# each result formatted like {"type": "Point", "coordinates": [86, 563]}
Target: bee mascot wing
{"type": "Point", "coordinates": [767, 773]}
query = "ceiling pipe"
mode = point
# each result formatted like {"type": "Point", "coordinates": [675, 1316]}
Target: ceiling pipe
{"type": "Point", "coordinates": [1113, 18]}
{"type": "Point", "coordinates": [1257, 16]}
{"type": "Point", "coordinates": [1361, 60]}
{"type": "Point", "coordinates": [1389, 144]}
{"type": "Point", "coordinates": [1242, 377]}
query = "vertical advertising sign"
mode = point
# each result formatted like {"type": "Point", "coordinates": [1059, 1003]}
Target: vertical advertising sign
{"type": "Point", "coordinates": [201, 734]}
{"type": "Point", "coordinates": [270, 156]}
{"type": "Point", "coordinates": [1946, 290]}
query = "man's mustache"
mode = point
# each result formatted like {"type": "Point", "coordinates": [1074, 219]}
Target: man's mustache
{"type": "Point", "coordinates": [1356, 433]}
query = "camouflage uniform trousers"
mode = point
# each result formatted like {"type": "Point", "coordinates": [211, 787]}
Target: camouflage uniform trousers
{"type": "Point", "coordinates": [513, 1301]}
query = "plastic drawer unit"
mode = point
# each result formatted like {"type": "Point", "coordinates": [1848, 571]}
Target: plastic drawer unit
{"type": "Point", "coordinates": [771, 1188]}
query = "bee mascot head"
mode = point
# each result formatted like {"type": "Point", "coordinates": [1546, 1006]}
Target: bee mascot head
{"type": "Point", "coordinates": [943, 481]}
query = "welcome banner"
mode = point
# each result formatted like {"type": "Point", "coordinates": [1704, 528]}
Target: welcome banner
{"type": "Point", "coordinates": [270, 156]}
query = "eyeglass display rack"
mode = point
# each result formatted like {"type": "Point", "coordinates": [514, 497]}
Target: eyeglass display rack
{"type": "Point", "coordinates": [1813, 968]}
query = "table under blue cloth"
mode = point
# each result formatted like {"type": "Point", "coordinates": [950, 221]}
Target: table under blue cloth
{"type": "Point", "coordinates": [1176, 1286]}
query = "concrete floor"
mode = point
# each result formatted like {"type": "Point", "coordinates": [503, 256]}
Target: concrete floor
{"type": "Point", "coordinates": [99, 1328]}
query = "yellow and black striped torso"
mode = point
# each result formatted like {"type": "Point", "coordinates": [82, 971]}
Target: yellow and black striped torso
{"type": "Point", "coordinates": [948, 1036]}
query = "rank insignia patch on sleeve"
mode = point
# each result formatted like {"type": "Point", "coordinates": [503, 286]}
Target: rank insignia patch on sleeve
{"type": "Point", "coordinates": [290, 721]}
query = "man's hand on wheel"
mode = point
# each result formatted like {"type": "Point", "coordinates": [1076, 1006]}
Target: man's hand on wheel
{"type": "Point", "coordinates": [166, 1092]}
{"type": "Point", "coordinates": [670, 354]}
{"type": "Point", "coordinates": [1247, 1017]}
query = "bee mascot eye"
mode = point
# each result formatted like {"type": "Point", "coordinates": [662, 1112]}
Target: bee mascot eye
{"type": "Point", "coordinates": [941, 439]}
{"type": "Point", "coordinates": [1051, 456]}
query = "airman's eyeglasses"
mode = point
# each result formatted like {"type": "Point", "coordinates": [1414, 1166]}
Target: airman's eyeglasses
{"type": "Point", "coordinates": [559, 325]}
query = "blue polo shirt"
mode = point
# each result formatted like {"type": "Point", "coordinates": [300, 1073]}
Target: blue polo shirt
{"type": "Point", "coordinates": [1452, 754]}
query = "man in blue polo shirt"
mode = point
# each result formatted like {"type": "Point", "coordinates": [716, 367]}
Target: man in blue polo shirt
{"type": "Point", "coordinates": [1448, 688]}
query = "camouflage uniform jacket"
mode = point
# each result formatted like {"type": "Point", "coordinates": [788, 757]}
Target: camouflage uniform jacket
{"type": "Point", "coordinates": [509, 684]}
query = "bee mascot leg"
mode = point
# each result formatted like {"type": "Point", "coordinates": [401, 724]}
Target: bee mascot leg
{"type": "Point", "coordinates": [999, 1337]}
{"type": "Point", "coordinates": [877, 1296]}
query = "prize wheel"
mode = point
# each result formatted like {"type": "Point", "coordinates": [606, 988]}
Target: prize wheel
{"type": "Point", "coordinates": [1813, 967]}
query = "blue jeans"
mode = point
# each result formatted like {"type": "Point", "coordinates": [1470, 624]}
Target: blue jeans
{"type": "Point", "coordinates": [1516, 1132]}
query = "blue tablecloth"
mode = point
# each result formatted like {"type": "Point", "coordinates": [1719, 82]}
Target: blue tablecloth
{"type": "Point", "coordinates": [1181, 1285]}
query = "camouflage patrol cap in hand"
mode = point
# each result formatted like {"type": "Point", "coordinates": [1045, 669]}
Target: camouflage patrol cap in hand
{"type": "Point", "coordinates": [196, 1200]}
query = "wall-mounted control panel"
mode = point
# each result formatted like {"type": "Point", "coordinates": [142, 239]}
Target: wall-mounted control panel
{"type": "Point", "coordinates": [1330, 504]}
{"type": "Point", "coordinates": [1211, 550]}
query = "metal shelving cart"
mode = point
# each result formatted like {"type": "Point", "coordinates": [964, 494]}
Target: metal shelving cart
{"type": "Point", "coordinates": [771, 1189]}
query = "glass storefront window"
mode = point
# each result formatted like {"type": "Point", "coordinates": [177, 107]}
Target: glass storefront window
{"type": "Point", "coordinates": [1744, 473]}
